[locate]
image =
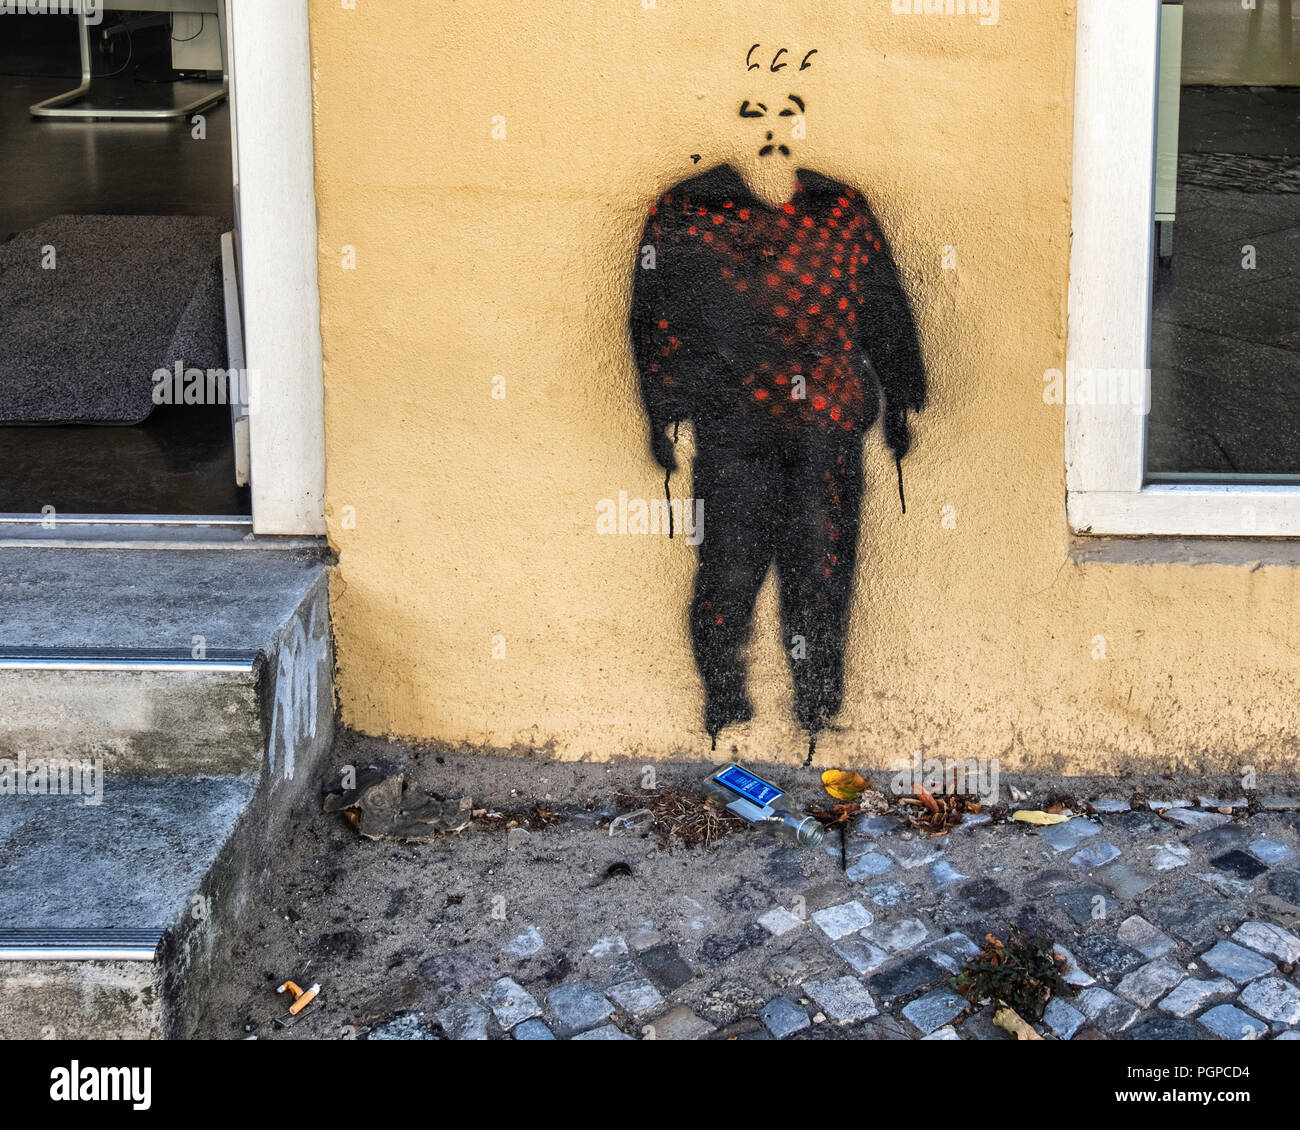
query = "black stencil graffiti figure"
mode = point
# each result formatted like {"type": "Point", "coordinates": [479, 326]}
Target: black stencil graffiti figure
{"type": "Point", "coordinates": [777, 332]}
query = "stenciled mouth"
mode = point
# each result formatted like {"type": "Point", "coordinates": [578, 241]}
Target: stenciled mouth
{"type": "Point", "coordinates": [768, 150]}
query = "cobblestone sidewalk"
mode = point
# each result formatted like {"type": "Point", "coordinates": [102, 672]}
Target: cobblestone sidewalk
{"type": "Point", "coordinates": [1179, 922]}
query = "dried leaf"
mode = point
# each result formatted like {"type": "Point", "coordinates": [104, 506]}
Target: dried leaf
{"type": "Point", "coordinates": [844, 784]}
{"type": "Point", "coordinates": [1034, 816]}
{"type": "Point", "coordinates": [1011, 1022]}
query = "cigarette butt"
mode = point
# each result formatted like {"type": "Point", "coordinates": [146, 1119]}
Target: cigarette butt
{"type": "Point", "coordinates": [301, 997]}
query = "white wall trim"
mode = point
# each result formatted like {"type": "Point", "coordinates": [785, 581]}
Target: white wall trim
{"type": "Point", "coordinates": [1116, 82]}
{"type": "Point", "coordinates": [271, 104]}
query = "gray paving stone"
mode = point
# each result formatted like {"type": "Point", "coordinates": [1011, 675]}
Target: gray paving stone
{"type": "Point", "coordinates": [1270, 940]}
{"type": "Point", "coordinates": [1223, 838]}
{"type": "Point", "coordinates": [405, 1027]}
{"type": "Point", "coordinates": [1196, 818]}
{"type": "Point", "coordinates": [944, 874]}
{"type": "Point", "coordinates": [511, 1003]}
{"type": "Point", "coordinates": [533, 1030]}
{"type": "Point", "coordinates": [1270, 851]}
{"type": "Point", "coordinates": [897, 936]}
{"type": "Point", "coordinates": [913, 853]}
{"type": "Point", "coordinates": [1192, 913]}
{"type": "Point", "coordinates": [889, 894]}
{"type": "Point", "coordinates": [861, 954]}
{"type": "Point", "coordinates": [1240, 864]}
{"type": "Point", "coordinates": [784, 1017]}
{"type": "Point", "coordinates": [1072, 974]}
{"type": "Point", "coordinates": [1087, 903]}
{"type": "Point", "coordinates": [636, 997]}
{"type": "Point", "coordinates": [1110, 804]}
{"type": "Point", "coordinates": [1276, 802]}
{"type": "Point", "coordinates": [1286, 885]}
{"type": "Point", "coordinates": [1068, 836]}
{"type": "Point", "coordinates": [1141, 823]}
{"type": "Point", "coordinates": [1210, 802]}
{"type": "Point", "coordinates": [1096, 854]}
{"type": "Point", "coordinates": [844, 999]}
{"type": "Point", "coordinates": [869, 864]}
{"type": "Point", "coordinates": [1137, 932]}
{"type": "Point", "coordinates": [1226, 885]}
{"type": "Point", "coordinates": [1124, 882]}
{"type": "Point", "coordinates": [1193, 994]}
{"type": "Point", "coordinates": [1236, 963]}
{"type": "Point", "coordinates": [666, 967]}
{"type": "Point", "coordinates": [952, 951]}
{"type": "Point", "coordinates": [525, 944]}
{"type": "Point", "coordinates": [681, 1024]}
{"type": "Point", "coordinates": [1063, 1019]}
{"type": "Point", "coordinates": [1289, 1035]}
{"type": "Point", "coordinates": [464, 1020]}
{"type": "Point", "coordinates": [1163, 1028]}
{"type": "Point", "coordinates": [847, 918]}
{"type": "Point", "coordinates": [903, 979]}
{"type": "Point", "coordinates": [947, 1032]}
{"type": "Point", "coordinates": [624, 969]}
{"type": "Point", "coordinates": [1167, 856]}
{"type": "Point", "coordinates": [778, 921]}
{"type": "Point", "coordinates": [604, 1032]}
{"type": "Point", "coordinates": [877, 826]}
{"type": "Point", "coordinates": [806, 960]}
{"type": "Point", "coordinates": [1149, 983]}
{"type": "Point", "coordinates": [1106, 1010]}
{"type": "Point", "coordinates": [934, 1010]}
{"type": "Point", "coordinates": [608, 947]}
{"type": "Point", "coordinates": [579, 1006]}
{"type": "Point", "coordinates": [1274, 999]}
{"type": "Point", "coordinates": [1232, 1024]}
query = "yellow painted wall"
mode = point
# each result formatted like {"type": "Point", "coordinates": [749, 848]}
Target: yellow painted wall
{"type": "Point", "coordinates": [458, 518]}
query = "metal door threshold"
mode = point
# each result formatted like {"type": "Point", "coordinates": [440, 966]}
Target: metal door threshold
{"type": "Point", "coordinates": [54, 944]}
{"type": "Point", "coordinates": [126, 659]}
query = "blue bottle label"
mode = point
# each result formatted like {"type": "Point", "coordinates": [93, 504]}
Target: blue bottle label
{"type": "Point", "coordinates": [745, 784]}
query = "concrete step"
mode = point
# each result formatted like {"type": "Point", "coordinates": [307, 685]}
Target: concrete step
{"type": "Point", "coordinates": [153, 660]}
{"type": "Point", "coordinates": [142, 791]}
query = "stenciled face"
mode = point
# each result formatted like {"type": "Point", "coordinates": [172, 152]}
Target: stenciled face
{"type": "Point", "coordinates": [788, 113]}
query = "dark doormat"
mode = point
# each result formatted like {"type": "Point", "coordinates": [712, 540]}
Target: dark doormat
{"type": "Point", "coordinates": [124, 297]}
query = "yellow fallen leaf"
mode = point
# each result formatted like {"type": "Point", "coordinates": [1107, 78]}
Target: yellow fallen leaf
{"type": "Point", "coordinates": [1010, 1021]}
{"type": "Point", "coordinates": [844, 784]}
{"type": "Point", "coordinates": [1034, 816]}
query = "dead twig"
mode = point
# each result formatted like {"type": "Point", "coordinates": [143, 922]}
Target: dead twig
{"type": "Point", "coordinates": [684, 818]}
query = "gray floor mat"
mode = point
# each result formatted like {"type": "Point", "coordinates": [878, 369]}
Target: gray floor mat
{"type": "Point", "coordinates": [128, 295]}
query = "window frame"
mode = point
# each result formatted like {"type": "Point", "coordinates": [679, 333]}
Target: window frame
{"type": "Point", "coordinates": [1116, 88]}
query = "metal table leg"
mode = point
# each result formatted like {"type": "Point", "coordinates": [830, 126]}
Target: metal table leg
{"type": "Point", "coordinates": [57, 107]}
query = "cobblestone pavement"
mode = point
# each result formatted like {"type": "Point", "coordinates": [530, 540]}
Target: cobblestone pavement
{"type": "Point", "coordinates": [1179, 922]}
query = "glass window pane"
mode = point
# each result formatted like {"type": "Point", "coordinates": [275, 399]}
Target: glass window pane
{"type": "Point", "coordinates": [1225, 330]}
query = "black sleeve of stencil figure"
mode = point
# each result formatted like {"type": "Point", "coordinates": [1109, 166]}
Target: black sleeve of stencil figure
{"type": "Point", "coordinates": [887, 330]}
{"type": "Point", "coordinates": [656, 344]}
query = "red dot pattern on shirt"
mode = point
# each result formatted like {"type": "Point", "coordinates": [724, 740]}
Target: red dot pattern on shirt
{"type": "Point", "coordinates": [799, 267]}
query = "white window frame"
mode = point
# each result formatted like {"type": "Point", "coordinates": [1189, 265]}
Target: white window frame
{"type": "Point", "coordinates": [1116, 83]}
{"type": "Point", "coordinates": [271, 105]}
